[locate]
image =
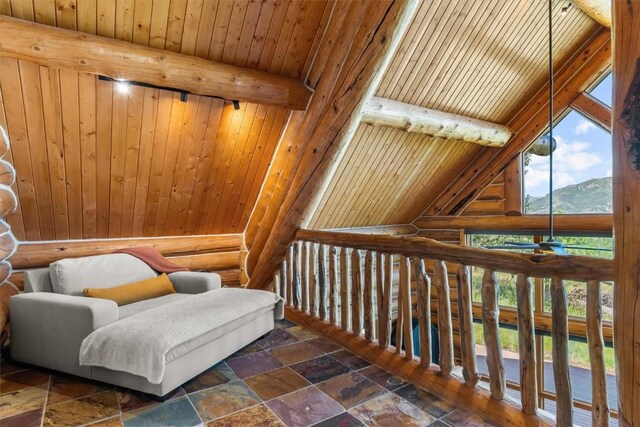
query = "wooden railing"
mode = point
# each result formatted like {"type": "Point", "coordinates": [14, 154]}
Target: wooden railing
{"type": "Point", "coordinates": [348, 281]}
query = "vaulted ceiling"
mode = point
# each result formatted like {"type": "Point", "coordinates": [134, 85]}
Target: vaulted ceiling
{"type": "Point", "coordinates": [482, 59]}
{"type": "Point", "coordinates": [94, 163]}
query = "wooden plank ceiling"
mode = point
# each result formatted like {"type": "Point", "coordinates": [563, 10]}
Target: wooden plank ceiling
{"type": "Point", "coordinates": [482, 59]}
{"type": "Point", "coordinates": [94, 163]}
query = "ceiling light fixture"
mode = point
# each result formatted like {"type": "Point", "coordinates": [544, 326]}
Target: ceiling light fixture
{"type": "Point", "coordinates": [123, 87]}
{"type": "Point", "coordinates": [565, 9]}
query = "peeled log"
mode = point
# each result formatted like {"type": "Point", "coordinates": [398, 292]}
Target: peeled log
{"type": "Point", "coordinates": [598, 10]}
{"type": "Point", "coordinates": [7, 173]}
{"type": "Point", "coordinates": [8, 201]}
{"type": "Point", "coordinates": [8, 245]}
{"type": "Point", "coordinates": [5, 270]}
{"type": "Point", "coordinates": [412, 118]}
{"type": "Point", "coordinates": [4, 141]}
{"type": "Point", "coordinates": [61, 48]}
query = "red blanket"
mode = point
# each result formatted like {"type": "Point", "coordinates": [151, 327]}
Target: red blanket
{"type": "Point", "coordinates": [153, 258]}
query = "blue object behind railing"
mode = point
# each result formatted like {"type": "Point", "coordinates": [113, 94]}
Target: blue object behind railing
{"type": "Point", "coordinates": [435, 348]}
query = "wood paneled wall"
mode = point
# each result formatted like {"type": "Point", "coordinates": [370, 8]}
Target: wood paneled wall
{"type": "Point", "coordinates": [93, 163]}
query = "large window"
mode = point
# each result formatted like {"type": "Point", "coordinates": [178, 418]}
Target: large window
{"type": "Point", "coordinates": [582, 169]}
{"type": "Point", "coordinates": [603, 91]}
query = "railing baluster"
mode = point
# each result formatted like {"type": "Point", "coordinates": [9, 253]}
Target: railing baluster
{"type": "Point", "coordinates": [405, 283]}
{"type": "Point", "coordinates": [313, 291]}
{"type": "Point", "coordinates": [369, 282]}
{"type": "Point", "coordinates": [526, 346]}
{"type": "Point", "coordinates": [465, 320]}
{"type": "Point", "coordinates": [345, 289]}
{"type": "Point", "coordinates": [600, 412]}
{"type": "Point", "coordinates": [296, 275]}
{"type": "Point", "coordinates": [283, 281]}
{"type": "Point", "coordinates": [400, 312]}
{"type": "Point", "coordinates": [333, 286]}
{"type": "Point", "coordinates": [290, 275]}
{"type": "Point", "coordinates": [356, 293]}
{"type": "Point", "coordinates": [276, 283]}
{"type": "Point", "coordinates": [380, 260]}
{"type": "Point", "coordinates": [305, 277]}
{"type": "Point", "coordinates": [423, 287]}
{"type": "Point", "coordinates": [490, 319]}
{"type": "Point", "coordinates": [322, 282]}
{"type": "Point", "coordinates": [445, 330]}
{"type": "Point", "coordinates": [388, 299]}
{"type": "Point", "coordinates": [560, 352]}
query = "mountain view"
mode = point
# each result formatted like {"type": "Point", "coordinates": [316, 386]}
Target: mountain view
{"type": "Point", "coordinates": [592, 196]}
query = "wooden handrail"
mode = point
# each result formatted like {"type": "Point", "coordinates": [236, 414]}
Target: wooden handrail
{"type": "Point", "coordinates": [356, 276]}
{"type": "Point", "coordinates": [569, 267]}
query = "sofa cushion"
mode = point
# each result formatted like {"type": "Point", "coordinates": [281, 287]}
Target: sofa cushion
{"type": "Point", "coordinates": [70, 276]}
{"type": "Point", "coordinates": [148, 304]}
{"type": "Point", "coordinates": [134, 292]}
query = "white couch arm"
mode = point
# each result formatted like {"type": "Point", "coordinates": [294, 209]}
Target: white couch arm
{"type": "Point", "coordinates": [47, 329]}
{"type": "Point", "coordinates": [194, 282]}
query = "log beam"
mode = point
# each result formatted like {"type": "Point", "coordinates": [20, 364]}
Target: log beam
{"type": "Point", "coordinates": [413, 118]}
{"type": "Point", "coordinates": [368, 38]}
{"type": "Point", "coordinates": [61, 48]}
{"type": "Point", "coordinates": [585, 66]}
{"type": "Point", "coordinates": [593, 109]}
{"type": "Point", "coordinates": [626, 207]}
{"type": "Point", "coordinates": [598, 10]}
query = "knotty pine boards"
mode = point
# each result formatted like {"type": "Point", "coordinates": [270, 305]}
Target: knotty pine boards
{"type": "Point", "coordinates": [475, 58]}
{"type": "Point", "coordinates": [93, 163]}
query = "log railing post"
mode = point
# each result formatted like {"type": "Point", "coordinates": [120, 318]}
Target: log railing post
{"type": "Point", "coordinates": [356, 293]}
{"type": "Point", "coordinates": [313, 291]}
{"type": "Point", "coordinates": [600, 411]}
{"type": "Point", "coordinates": [445, 329]}
{"type": "Point", "coordinates": [405, 284]}
{"type": "Point", "coordinates": [283, 281]}
{"type": "Point", "coordinates": [400, 311]}
{"type": "Point", "coordinates": [490, 319]}
{"type": "Point", "coordinates": [276, 283]}
{"type": "Point", "coordinates": [465, 320]}
{"type": "Point", "coordinates": [369, 283]}
{"type": "Point", "coordinates": [290, 273]}
{"type": "Point", "coordinates": [305, 277]}
{"type": "Point", "coordinates": [526, 346]}
{"type": "Point", "coordinates": [423, 287]}
{"type": "Point", "coordinates": [345, 289]}
{"type": "Point", "coordinates": [333, 285]}
{"type": "Point", "coordinates": [381, 321]}
{"type": "Point", "coordinates": [322, 282]}
{"type": "Point", "coordinates": [296, 276]}
{"type": "Point", "coordinates": [560, 352]}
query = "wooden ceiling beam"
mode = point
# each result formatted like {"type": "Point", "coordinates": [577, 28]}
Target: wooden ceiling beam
{"type": "Point", "coordinates": [413, 118]}
{"type": "Point", "coordinates": [61, 48]}
{"type": "Point", "coordinates": [598, 10]}
{"type": "Point", "coordinates": [365, 44]}
{"type": "Point", "coordinates": [593, 109]}
{"type": "Point", "coordinates": [586, 65]}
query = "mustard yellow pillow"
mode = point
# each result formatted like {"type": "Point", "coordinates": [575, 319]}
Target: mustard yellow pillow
{"type": "Point", "coordinates": [133, 292]}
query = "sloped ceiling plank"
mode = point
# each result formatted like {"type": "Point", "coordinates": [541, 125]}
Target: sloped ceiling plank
{"type": "Point", "coordinates": [144, 190]}
{"type": "Point", "coordinates": [478, 59]}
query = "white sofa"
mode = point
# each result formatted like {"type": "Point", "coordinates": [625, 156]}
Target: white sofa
{"type": "Point", "coordinates": [51, 319]}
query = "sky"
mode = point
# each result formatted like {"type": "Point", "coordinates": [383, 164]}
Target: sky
{"type": "Point", "coordinates": [583, 151]}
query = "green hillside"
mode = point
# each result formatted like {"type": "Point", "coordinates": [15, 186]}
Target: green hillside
{"type": "Point", "coordinates": [593, 196]}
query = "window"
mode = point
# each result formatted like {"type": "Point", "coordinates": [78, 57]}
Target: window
{"type": "Point", "coordinates": [582, 169]}
{"type": "Point", "coordinates": [603, 91]}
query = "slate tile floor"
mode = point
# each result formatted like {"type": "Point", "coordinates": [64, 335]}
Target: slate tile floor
{"type": "Point", "coordinates": [289, 378]}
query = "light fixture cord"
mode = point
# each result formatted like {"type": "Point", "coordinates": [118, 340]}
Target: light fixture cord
{"type": "Point", "coordinates": [550, 120]}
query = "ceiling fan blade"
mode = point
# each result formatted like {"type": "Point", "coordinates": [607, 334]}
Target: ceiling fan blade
{"type": "Point", "coordinates": [516, 247]}
{"type": "Point", "coordinates": [558, 250]}
{"type": "Point", "coordinates": [587, 248]}
{"type": "Point", "coordinates": [520, 243]}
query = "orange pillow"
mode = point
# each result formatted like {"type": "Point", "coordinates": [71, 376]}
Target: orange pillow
{"type": "Point", "coordinates": [133, 292]}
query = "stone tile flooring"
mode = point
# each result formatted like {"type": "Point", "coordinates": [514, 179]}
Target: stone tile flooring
{"type": "Point", "coordinates": [290, 377]}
